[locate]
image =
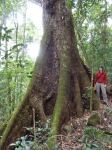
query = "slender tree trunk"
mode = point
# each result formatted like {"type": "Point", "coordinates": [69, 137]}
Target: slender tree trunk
{"type": "Point", "coordinates": [59, 78]}
{"type": "Point", "coordinates": [104, 33]}
{"type": "Point", "coordinates": [15, 94]}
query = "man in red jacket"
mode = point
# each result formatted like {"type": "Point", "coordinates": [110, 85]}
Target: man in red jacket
{"type": "Point", "coordinates": [100, 83]}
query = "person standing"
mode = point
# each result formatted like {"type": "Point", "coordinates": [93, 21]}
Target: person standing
{"type": "Point", "coordinates": [101, 83]}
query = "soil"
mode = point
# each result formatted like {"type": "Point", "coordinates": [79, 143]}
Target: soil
{"type": "Point", "coordinates": [72, 134]}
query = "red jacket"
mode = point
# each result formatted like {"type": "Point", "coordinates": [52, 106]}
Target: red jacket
{"type": "Point", "coordinates": [101, 77]}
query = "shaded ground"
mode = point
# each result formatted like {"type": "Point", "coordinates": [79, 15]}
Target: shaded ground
{"type": "Point", "coordinates": [73, 133]}
{"type": "Point", "coordinates": [76, 135]}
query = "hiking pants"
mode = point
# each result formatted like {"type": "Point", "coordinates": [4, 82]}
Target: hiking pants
{"type": "Point", "coordinates": [103, 91]}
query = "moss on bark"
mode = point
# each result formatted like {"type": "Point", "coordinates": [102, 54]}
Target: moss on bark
{"type": "Point", "coordinates": [18, 121]}
{"type": "Point", "coordinates": [62, 97]}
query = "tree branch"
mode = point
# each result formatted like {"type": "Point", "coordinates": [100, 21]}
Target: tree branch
{"type": "Point", "coordinates": [38, 2]}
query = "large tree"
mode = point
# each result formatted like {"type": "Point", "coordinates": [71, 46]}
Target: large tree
{"type": "Point", "coordinates": [59, 80]}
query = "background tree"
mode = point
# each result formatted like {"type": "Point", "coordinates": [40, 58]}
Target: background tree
{"type": "Point", "coordinates": [93, 21]}
{"type": "Point", "coordinates": [15, 64]}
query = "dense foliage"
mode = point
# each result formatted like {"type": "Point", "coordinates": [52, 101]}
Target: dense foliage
{"type": "Point", "coordinates": [15, 64]}
{"type": "Point", "coordinates": [92, 20]}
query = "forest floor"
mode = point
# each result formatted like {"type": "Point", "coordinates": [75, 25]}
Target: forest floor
{"type": "Point", "coordinates": [78, 136]}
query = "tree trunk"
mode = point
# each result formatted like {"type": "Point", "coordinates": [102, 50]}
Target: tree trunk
{"type": "Point", "coordinates": [60, 78]}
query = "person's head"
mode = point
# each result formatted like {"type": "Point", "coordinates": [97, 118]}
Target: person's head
{"type": "Point", "coordinates": [101, 69]}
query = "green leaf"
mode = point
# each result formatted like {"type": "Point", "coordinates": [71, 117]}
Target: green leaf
{"type": "Point", "coordinates": [69, 3]}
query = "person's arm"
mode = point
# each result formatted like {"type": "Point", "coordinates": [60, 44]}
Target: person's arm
{"type": "Point", "coordinates": [106, 79]}
{"type": "Point", "coordinates": [96, 78]}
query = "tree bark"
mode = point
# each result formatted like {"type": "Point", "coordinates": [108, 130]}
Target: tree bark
{"type": "Point", "coordinates": [59, 79]}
